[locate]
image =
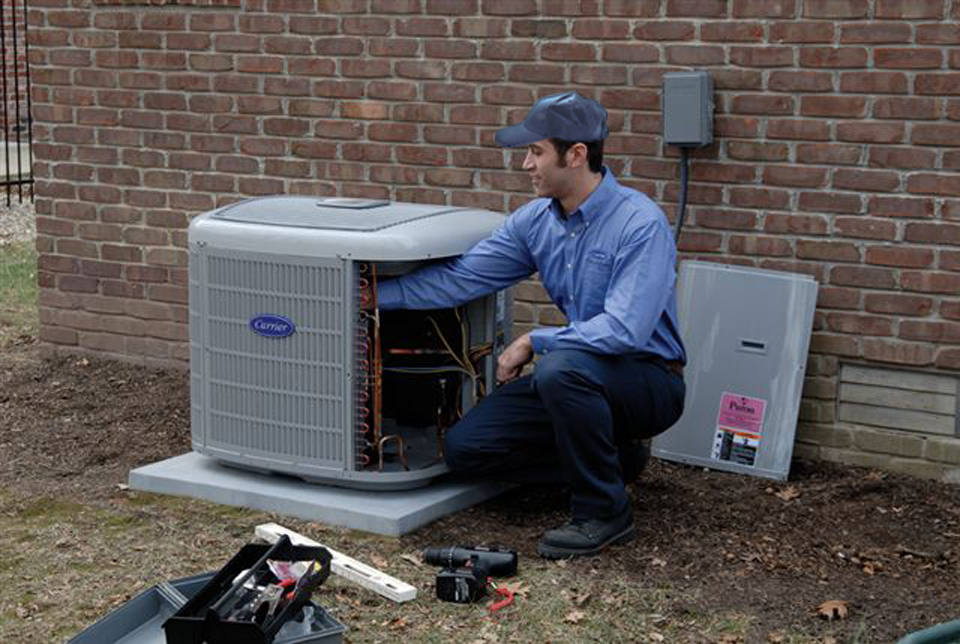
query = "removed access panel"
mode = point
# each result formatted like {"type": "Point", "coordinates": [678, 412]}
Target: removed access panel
{"type": "Point", "coordinates": [747, 332]}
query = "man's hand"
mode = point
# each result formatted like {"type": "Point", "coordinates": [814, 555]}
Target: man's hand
{"type": "Point", "coordinates": [511, 361]}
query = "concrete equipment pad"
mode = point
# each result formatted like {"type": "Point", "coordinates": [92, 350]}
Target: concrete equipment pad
{"type": "Point", "coordinates": [390, 513]}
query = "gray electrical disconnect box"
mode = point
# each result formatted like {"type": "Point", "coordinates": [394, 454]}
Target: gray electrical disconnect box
{"type": "Point", "coordinates": [687, 104]}
{"type": "Point", "coordinates": [289, 375]}
{"type": "Point", "coordinates": [747, 332]}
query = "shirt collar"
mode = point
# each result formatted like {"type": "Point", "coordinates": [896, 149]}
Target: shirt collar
{"type": "Point", "coordinates": [595, 202]}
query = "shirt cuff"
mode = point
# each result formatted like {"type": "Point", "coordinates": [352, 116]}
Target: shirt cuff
{"type": "Point", "coordinates": [389, 295]}
{"type": "Point", "coordinates": [543, 340]}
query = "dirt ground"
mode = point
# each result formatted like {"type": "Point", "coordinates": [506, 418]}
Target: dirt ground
{"type": "Point", "coordinates": [713, 543]}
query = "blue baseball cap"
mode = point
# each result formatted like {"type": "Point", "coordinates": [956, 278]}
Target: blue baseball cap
{"type": "Point", "coordinates": [567, 116]}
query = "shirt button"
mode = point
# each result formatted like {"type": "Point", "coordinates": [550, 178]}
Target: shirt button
{"type": "Point", "coordinates": [569, 265]}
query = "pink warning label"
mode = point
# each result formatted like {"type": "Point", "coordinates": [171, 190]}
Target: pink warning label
{"type": "Point", "coordinates": [741, 413]}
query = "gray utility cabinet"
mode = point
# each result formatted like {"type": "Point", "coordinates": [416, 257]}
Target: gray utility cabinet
{"type": "Point", "coordinates": [747, 332]}
{"type": "Point", "coordinates": [283, 375]}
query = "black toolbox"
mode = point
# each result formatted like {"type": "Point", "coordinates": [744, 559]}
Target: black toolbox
{"type": "Point", "coordinates": [181, 611]}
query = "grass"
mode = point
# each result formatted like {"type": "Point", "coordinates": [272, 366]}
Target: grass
{"type": "Point", "coordinates": [18, 291]}
{"type": "Point", "coordinates": [94, 555]}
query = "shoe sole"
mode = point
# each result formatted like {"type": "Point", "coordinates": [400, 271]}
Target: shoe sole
{"type": "Point", "coordinates": [557, 552]}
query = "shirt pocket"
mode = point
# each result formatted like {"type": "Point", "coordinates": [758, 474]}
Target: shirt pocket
{"type": "Point", "coordinates": [597, 270]}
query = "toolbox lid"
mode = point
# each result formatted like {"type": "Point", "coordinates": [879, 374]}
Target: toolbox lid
{"type": "Point", "coordinates": [140, 620]}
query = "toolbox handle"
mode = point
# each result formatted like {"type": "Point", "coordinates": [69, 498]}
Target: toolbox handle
{"type": "Point", "coordinates": [281, 543]}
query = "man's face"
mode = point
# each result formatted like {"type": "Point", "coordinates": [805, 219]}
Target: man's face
{"type": "Point", "coordinates": [542, 163]}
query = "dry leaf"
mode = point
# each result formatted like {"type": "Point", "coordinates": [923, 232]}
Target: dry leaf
{"type": "Point", "coordinates": [378, 561]}
{"type": "Point", "coordinates": [582, 598]}
{"type": "Point", "coordinates": [414, 559]}
{"type": "Point", "coordinates": [396, 623]}
{"type": "Point", "coordinates": [789, 493]}
{"type": "Point", "coordinates": [833, 609]}
{"type": "Point", "coordinates": [776, 637]}
{"type": "Point", "coordinates": [574, 617]}
{"type": "Point", "coordinates": [658, 562]}
{"type": "Point", "coordinates": [829, 639]}
{"type": "Point", "coordinates": [655, 637]}
{"type": "Point", "coordinates": [518, 589]}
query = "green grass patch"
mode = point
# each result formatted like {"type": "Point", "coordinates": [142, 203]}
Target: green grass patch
{"type": "Point", "coordinates": [18, 291]}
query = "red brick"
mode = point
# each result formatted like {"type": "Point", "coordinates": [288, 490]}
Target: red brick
{"type": "Point", "coordinates": [485, 72]}
{"type": "Point", "coordinates": [828, 251]}
{"type": "Point", "coordinates": [602, 29]}
{"type": "Point", "coordinates": [57, 335]}
{"type": "Point", "coordinates": [761, 104]}
{"type": "Point", "coordinates": [726, 219]}
{"type": "Point", "coordinates": [938, 84]}
{"type": "Point", "coordinates": [832, 297]}
{"type": "Point", "coordinates": [929, 282]}
{"type": "Point", "coordinates": [874, 82]}
{"type": "Point", "coordinates": [874, 33]}
{"type": "Point", "coordinates": [795, 224]}
{"type": "Point", "coordinates": [911, 108]}
{"type": "Point", "coordinates": [78, 284]}
{"type": "Point", "coordinates": [865, 132]}
{"type": "Point", "coordinates": [840, 106]}
{"type": "Point", "coordinates": [898, 304]}
{"type": "Point", "coordinates": [901, 256]}
{"type": "Point", "coordinates": [696, 8]}
{"type": "Point", "coordinates": [754, 151]}
{"type": "Point", "coordinates": [759, 245]}
{"type": "Point", "coordinates": [907, 58]}
{"type": "Point", "coordinates": [909, 9]}
{"type": "Point", "coordinates": [867, 277]}
{"type": "Point", "coordinates": [859, 324]}
{"type": "Point", "coordinates": [541, 29]}
{"type": "Point", "coordinates": [866, 180]}
{"type": "Point", "coordinates": [630, 8]}
{"type": "Point", "coordinates": [901, 353]}
{"type": "Point", "coordinates": [507, 50]}
{"type": "Point", "coordinates": [723, 172]}
{"type": "Point", "coordinates": [422, 27]}
{"type": "Point", "coordinates": [829, 153]}
{"type": "Point", "coordinates": [900, 207]}
{"type": "Point", "coordinates": [481, 27]}
{"type": "Point", "coordinates": [695, 241]}
{"type": "Point", "coordinates": [448, 135]}
{"type": "Point", "coordinates": [630, 53]}
{"type": "Point", "coordinates": [800, 81]}
{"type": "Point", "coordinates": [732, 32]}
{"type": "Point", "coordinates": [940, 135]}
{"type": "Point", "coordinates": [934, 184]}
{"type": "Point", "coordinates": [801, 129]}
{"type": "Point", "coordinates": [324, 150]}
{"type": "Point", "coordinates": [865, 228]}
{"type": "Point", "coordinates": [666, 30]}
{"type": "Point", "coordinates": [835, 8]}
{"type": "Point", "coordinates": [570, 7]}
{"type": "Point", "coordinates": [794, 176]}
{"type": "Point", "coordinates": [840, 345]}
{"type": "Point", "coordinates": [801, 32]}
{"type": "Point", "coordinates": [933, 233]}
{"type": "Point", "coordinates": [949, 309]}
{"type": "Point", "coordinates": [450, 48]}
{"type": "Point", "coordinates": [417, 155]}
{"type": "Point", "coordinates": [769, 56]}
{"type": "Point", "coordinates": [901, 158]}
{"type": "Point", "coordinates": [833, 57]}
{"type": "Point", "coordinates": [570, 51]}
{"type": "Point", "coordinates": [539, 73]}
{"type": "Point", "coordinates": [938, 34]}
{"type": "Point", "coordinates": [948, 358]}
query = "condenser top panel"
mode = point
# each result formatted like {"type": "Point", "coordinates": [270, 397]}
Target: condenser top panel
{"type": "Point", "coordinates": [339, 213]}
{"type": "Point", "coordinates": [368, 229]}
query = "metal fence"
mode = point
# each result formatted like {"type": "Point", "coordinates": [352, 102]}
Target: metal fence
{"type": "Point", "coordinates": [16, 157]}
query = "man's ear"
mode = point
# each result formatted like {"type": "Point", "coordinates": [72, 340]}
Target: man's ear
{"type": "Point", "coordinates": [577, 155]}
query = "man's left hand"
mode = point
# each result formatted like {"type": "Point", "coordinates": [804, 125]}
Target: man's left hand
{"type": "Point", "coordinates": [511, 361]}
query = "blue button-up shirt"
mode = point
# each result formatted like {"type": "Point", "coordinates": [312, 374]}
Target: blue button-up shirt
{"type": "Point", "coordinates": [609, 266]}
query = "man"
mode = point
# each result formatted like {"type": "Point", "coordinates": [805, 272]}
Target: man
{"type": "Point", "coordinates": [613, 375]}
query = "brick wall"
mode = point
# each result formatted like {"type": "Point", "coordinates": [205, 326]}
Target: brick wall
{"type": "Point", "coordinates": [837, 127]}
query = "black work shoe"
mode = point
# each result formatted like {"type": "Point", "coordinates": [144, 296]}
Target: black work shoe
{"type": "Point", "coordinates": [579, 537]}
{"type": "Point", "coordinates": [634, 456]}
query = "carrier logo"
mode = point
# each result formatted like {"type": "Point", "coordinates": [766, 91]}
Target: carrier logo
{"type": "Point", "coordinates": [272, 326]}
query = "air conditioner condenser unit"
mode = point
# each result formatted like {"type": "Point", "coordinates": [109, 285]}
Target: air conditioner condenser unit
{"type": "Point", "coordinates": [290, 375]}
